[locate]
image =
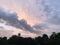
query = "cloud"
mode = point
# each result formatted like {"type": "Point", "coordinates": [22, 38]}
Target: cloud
{"type": "Point", "coordinates": [45, 13]}
{"type": "Point", "coordinates": [55, 19]}
{"type": "Point", "coordinates": [41, 26]}
{"type": "Point", "coordinates": [12, 20]}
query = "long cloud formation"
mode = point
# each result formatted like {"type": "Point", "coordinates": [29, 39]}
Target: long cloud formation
{"type": "Point", "coordinates": [12, 20]}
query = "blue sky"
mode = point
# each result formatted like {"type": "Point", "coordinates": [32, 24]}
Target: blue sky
{"type": "Point", "coordinates": [32, 16]}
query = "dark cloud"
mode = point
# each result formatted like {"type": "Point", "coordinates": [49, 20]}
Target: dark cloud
{"type": "Point", "coordinates": [12, 20]}
{"type": "Point", "coordinates": [26, 26]}
{"type": "Point", "coordinates": [40, 26]}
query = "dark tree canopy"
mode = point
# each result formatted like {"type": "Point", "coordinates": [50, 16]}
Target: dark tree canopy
{"type": "Point", "coordinates": [54, 39]}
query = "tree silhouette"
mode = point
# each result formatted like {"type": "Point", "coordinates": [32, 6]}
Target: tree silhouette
{"type": "Point", "coordinates": [54, 39]}
{"type": "Point", "coordinates": [19, 34]}
{"type": "Point", "coordinates": [38, 40]}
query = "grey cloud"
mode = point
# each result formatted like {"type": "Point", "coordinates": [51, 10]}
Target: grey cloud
{"type": "Point", "coordinates": [51, 12]}
{"type": "Point", "coordinates": [40, 26]}
{"type": "Point", "coordinates": [12, 20]}
{"type": "Point", "coordinates": [26, 26]}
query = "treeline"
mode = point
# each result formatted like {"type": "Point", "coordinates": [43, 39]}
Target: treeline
{"type": "Point", "coordinates": [54, 39]}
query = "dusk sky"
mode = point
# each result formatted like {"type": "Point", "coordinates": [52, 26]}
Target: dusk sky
{"type": "Point", "coordinates": [29, 17]}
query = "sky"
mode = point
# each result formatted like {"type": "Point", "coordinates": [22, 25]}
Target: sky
{"type": "Point", "coordinates": [31, 18]}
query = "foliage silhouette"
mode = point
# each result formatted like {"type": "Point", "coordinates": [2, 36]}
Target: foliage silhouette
{"type": "Point", "coordinates": [54, 39]}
